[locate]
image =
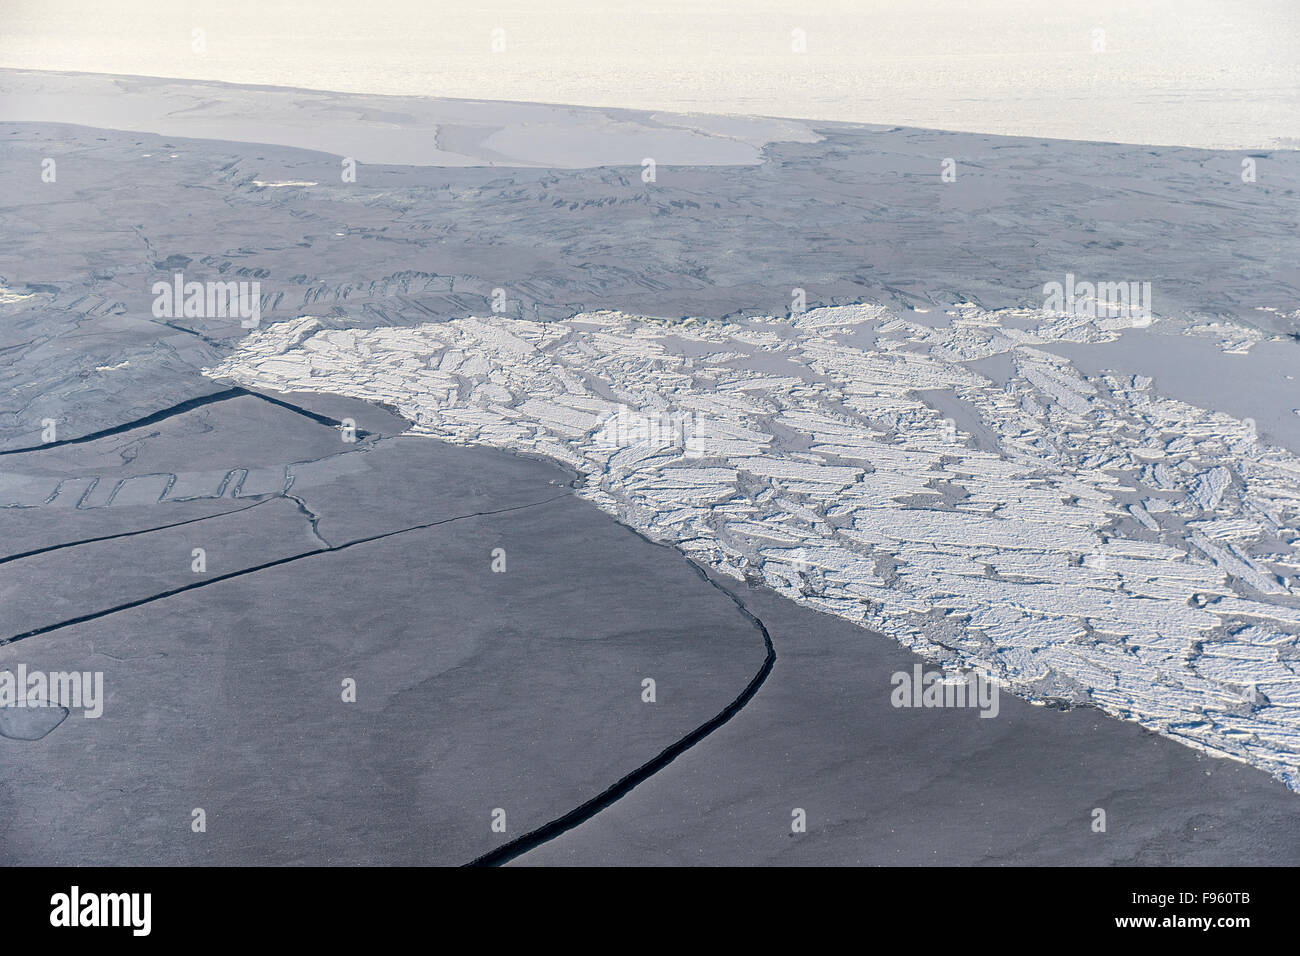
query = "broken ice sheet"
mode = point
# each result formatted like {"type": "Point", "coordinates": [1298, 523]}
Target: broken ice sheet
{"type": "Point", "coordinates": [820, 469]}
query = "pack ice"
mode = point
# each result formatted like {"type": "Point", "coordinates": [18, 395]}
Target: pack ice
{"type": "Point", "coordinates": [952, 483]}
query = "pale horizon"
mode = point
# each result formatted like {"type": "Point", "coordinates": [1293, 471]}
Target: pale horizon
{"type": "Point", "coordinates": [1168, 72]}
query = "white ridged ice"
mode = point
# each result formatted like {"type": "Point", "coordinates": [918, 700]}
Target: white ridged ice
{"type": "Point", "coordinates": [1080, 537]}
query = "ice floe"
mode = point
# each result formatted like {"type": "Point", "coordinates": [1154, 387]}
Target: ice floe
{"type": "Point", "coordinates": [1080, 537]}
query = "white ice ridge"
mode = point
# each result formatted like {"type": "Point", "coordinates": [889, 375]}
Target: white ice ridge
{"type": "Point", "coordinates": [1079, 538]}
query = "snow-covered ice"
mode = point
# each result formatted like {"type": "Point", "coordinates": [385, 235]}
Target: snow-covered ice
{"type": "Point", "coordinates": [1080, 537]}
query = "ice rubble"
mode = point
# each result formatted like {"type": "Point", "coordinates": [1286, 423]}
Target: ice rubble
{"type": "Point", "coordinates": [1110, 546]}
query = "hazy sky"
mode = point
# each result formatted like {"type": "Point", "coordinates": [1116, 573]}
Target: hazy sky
{"type": "Point", "coordinates": [1201, 72]}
